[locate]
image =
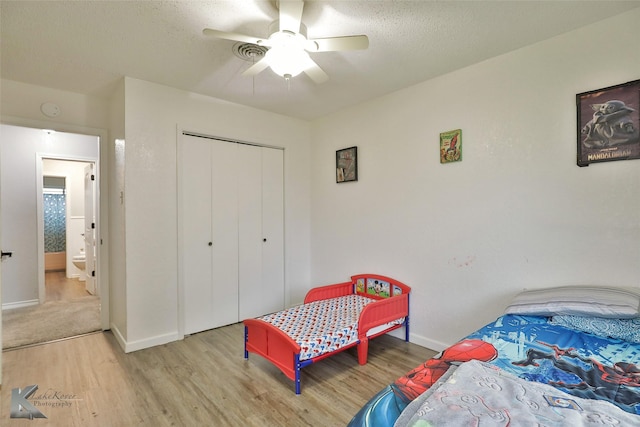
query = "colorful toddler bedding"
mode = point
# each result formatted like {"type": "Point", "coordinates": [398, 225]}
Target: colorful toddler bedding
{"type": "Point", "coordinates": [323, 326]}
{"type": "Point", "coordinates": [531, 348]}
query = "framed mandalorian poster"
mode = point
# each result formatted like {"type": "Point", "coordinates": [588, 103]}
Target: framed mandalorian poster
{"type": "Point", "coordinates": [609, 124]}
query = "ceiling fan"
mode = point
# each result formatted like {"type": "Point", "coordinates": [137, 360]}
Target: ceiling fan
{"type": "Point", "coordinates": [289, 47]}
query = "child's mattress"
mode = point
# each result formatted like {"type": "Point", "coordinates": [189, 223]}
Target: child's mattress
{"type": "Point", "coordinates": [323, 326]}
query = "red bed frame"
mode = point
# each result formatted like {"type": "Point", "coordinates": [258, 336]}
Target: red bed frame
{"type": "Point", "coordinates": [273, 344]}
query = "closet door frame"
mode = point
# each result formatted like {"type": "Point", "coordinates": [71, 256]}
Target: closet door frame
{"type": "Point", "coordinates": [181, 133]}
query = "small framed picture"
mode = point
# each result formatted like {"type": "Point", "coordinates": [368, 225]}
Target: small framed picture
{"type": "Point", "coordinates": [609, 124]}
{"type": "Point", "coordinates": [451, 146]}
{"type": "Point", "coordinates": [347, 165]}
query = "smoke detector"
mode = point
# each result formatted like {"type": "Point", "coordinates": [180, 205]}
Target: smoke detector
{"type": "Point", "coordinates": [50, 109]}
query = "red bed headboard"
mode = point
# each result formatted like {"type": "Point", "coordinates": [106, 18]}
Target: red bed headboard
{"type": "Point", "coordinates": [378, 287]}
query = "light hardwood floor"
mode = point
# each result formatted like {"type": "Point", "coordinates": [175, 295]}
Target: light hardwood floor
{"type": "Point", "coordinates": [58, 287]}
{"type": "Point", "coordinates": [200, 381]}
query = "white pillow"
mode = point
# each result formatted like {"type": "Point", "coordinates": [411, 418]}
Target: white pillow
{"type": "Point", "coordinates": [623, 329]}
{"type": "Point", "coordinates": [595, 301]}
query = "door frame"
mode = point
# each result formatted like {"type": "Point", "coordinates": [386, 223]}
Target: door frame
{"type": "Point", "coordinates": [102, 199]}
{"type": "Point", "coordinates": [181, 132]}
{"type": "Point", "coordinates": [40, 215]}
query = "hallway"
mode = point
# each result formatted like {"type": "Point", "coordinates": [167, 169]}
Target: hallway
{"type": "Point", "coordinates": [69, 310]}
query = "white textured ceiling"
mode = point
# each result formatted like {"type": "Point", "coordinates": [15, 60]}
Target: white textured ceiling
{"type": "Point", "coordinates": [87, 46]}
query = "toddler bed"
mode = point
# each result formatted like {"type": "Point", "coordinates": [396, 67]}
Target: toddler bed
{"type": "Point", "coordinates": [561, 356]}
{"type": "Point", "coordinates": [333, 318]}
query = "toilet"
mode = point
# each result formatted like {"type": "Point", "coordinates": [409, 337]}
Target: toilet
{"type": "Point", "coordinates": [80, 261]}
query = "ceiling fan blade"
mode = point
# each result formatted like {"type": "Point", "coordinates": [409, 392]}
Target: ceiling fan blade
{"type": "Point", "coordinates": [256, 68]}
{"type": "Point", "coordinates": [232, 36]}
{"type": "Point", "coordinates": [315, 72]}
{"type": "Point", "coordinates": [291, 15]}
{"type": "Point", "coordinates": [331, 44]}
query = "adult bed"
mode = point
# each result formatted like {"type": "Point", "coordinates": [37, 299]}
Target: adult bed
{"type": "Point", "coordinates": [576, 345]}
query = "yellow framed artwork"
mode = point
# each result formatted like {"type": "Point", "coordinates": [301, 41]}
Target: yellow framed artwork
{"type": "Point", "coordinates": [451, 146]}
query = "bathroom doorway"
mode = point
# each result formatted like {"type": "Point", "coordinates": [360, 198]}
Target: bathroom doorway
{"type": "Point", "coordinates": [68, 206]}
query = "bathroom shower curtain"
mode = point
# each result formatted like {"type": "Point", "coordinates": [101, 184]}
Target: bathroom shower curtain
{"type": "Point", "coordinates": [55, 223]}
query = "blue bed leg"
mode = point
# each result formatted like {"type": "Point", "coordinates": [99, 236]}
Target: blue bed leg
{"type": "Point", "coordinates": [406, 329]}
{"type": "Point", "coordinates": [246, 335]}
{"type": "Point", "coordinates": [296, 362]}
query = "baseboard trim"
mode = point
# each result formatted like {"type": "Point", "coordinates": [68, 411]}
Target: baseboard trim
{"type": "Point", "coordinates": [118, 336]}
{"type": "Point", "coordinates": [20, 304]}
{"type": "Point", "coordinates": [427, 342]}
{"type": "Point", "coordinates": [131, 346]}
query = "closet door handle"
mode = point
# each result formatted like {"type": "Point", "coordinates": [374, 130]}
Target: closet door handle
{"type": "Point", "coordinates": [264, 240]}
{"type": "Point", "coordinates": [210, 243]}
{"type": "Point", "coordinates": [8, 254]}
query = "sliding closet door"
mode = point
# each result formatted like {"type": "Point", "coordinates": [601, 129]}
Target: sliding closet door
{"type": "Point", "coordinates": [261, 231]}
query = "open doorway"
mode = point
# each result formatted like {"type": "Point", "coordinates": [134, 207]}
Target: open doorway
{"type": "Point", "coordinates": [45, 295]}
{"type": "Point", "coordinates": [68, 206]}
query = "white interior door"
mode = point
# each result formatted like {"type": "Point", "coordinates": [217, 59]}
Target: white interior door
{"type": "Point", "coordinates": [0, 283]}
{"type": "Point", "coordinates": [231, 210]}
{"type": "Point", "coordinates": [224, 217]}
{"type": "Point", "coordinates": [209, 221]}
{"type": "Point", "coordinates": [250, 233]}
{"type": "Point", "coordinates": [195, 190]}
{"type": "Point", "coordinates": [261, 231]}
{"type": "Point", "coordinates": [90, 228]}
{"type": "Point", "coordinates": [19, 220]}
{"type": "Point", "coordinates": [273, 229]}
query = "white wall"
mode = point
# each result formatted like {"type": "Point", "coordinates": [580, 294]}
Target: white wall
{"type": "Point", "coordinates": [153, 115]}
{"type": "Point", "coordinates": [22, 100]}
{"type": "Point", "coordinates": [515, 213]}
{"type": "Point", "coordinates": [20, 148]}
{"type": "Point", "coordinates": [79, 113]}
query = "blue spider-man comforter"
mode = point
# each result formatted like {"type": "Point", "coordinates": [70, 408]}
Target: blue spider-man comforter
{"type": "Point", "coordinates": [582, 364]}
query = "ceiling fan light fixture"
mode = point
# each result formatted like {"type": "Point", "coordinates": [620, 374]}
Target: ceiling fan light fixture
{"type": "Point", "coordinates": [287, 56]}
{"type": "Point", "coordinates": [289, 48]}
{"type": "Point", "coordinates": [287, 63]}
